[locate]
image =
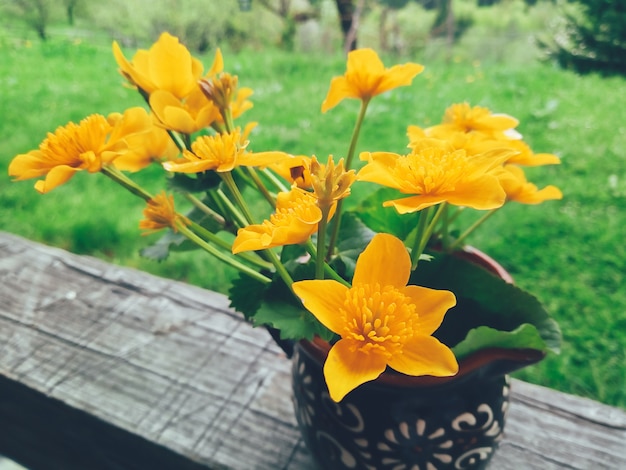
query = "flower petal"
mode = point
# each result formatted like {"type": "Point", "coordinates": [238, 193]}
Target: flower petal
{"type": "Point", "coordinates": [425, 355]}
{"type": "Point", "coordinates": [411, 204]}
{"type": "Point", "coordinates": [384, 261]}
{"type": "Point", "coordinates": [56, 177]}
{"type": "Point", "coordinates": [346, 368]}
{"type": "Point", "coordinates": [339, 89]}
{"type": "Point", "coordinates": [398, 75]}
{"type": "Point", "coordinates": [324, 299]}
{"type": "Point", "coordinates": [432, 305]}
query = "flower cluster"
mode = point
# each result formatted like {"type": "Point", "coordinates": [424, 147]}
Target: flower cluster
{"type": "Point", "coordinates": [315, 268]}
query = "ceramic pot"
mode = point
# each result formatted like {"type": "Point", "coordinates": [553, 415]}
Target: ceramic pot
{"type": "Point", "coordinates": [398, 422]}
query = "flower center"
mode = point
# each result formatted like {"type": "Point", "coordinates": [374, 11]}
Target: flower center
{"type": "Point", "coordinates": [431, 171]}
{"type": "Point", "coordinates": [77, 145]}
{"type": "Point", "coordinates": [296, 204]}
{"type": "Point", "coordinates": [378, 318]}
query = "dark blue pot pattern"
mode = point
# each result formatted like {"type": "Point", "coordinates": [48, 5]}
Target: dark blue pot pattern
{"type": "Point", "coordinates": [406, 423]}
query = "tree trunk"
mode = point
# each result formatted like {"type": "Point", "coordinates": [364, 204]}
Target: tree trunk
{"type": "Point", "coordinates": [346, 10]}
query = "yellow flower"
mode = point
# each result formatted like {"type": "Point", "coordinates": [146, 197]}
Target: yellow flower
{"type": "Point", "coordinates": [435, 175]}
{"type": "Point", "coordinates": [366, 77]}
{"type": "Point", "coordinates": [382, 321]}
{"type": "Point", "coordinates": [241, 103]}
{"type": "Point", "coordinates": [518, 189]}
{"type": "Point", "coordinates": [527, 157]}
{"type": "Point", "coordinates": [167, 65]}
{"type": "Point", "coordinates": [464, 118]}
{"type": "Point", "coordinates": [85, 146]}
{"type": "Point", "coordinates": [160, 213]}
{"type": "Point", "coordinates": [221, 152]}
{"type": "Point", "coordinates": [188, 115]}
{"type": "Point", "coordinates": [295, 220]}
{"type": "Point", "coordinates": [151, 145]}
{"type": "Point", "coordinates": [330, 182]}
{"type": "Point", "coordinates": [295, 169]}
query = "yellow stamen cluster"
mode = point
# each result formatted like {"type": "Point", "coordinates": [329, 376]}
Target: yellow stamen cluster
{"type": "Point", "coordinates": [330, 182]}
{"type": "Point", "coordinates": [432, 170]}
{"type": "Point", "coordinates": [299, 205]}
{"type": "Point", "coordinates": [77, 145]}
{"type": "Point", "coordinates": [218, 152]}
{"type": "Point", "coordinates": [380, 318]}
{"type": "Point", "coordinates": [220, 90]}
{"type": "Point", "coordinates": [160, 213]}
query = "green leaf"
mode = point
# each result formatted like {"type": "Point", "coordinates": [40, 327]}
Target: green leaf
{"type": "Point", "coordinates": [483, 299]}
{"type": "Point", "coordinates": [246, 295]}
{"type": "Point", "coordinates": [525, 336]}
{"type": "Point", "coordinates": [384, 219]}
{"type": "Point", "coordinates": [293, 321]}
{"type": "Point", "coordinates": [193, 184]}
{"type": "Point", "coordinates": [354, 236]}
{"type": "Point", "coordinates": [170, 241]}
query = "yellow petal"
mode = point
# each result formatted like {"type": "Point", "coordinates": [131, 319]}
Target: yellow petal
{"type": "Point", "coordinates": [432, 305]}
{"type": "Point", "coordinates": [385, 261]}
{"type": "Point", "coordinates": [398, 75]}
{"type": "Point", "coordinates": [379, 169]}
{"type": "Point", "coordinates": [171, 66]}
{"type": "Point", "coordinates": [56, 177]}
{"type": "Point", "coordinates": [346, 368]}
{"type": "Point", "coordinates": [425, 355]}
{"type": "Point", "coordinates": [28, 165]}
{"type": "Point", "coordinates": [339, 89]}
{"type": "Point", "coordinates": [323, 298]}
{"type": "Point", "coordinates": [411, 204]}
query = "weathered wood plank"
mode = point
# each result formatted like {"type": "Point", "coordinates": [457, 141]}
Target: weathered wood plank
{"type": "Point", "coordinates": [104, 367]}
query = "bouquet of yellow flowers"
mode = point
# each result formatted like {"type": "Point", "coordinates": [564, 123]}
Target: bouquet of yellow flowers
{"type": "Point", "coordinates": [379, 283]}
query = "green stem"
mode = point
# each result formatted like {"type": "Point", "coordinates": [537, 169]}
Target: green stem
{"type": "Point", "coordinates": [459, 241]}
{"type": "Point", "coordinates": [212, 238]}
{"type": "Point", "coordinates": [278, 184]}
{"type": "Point", "coordinates": [228, 179]}
{"type": "Point", "coordinates": [205, 209]}
{"type": "Point", "coordinates": [330, 272]}
{"type": "Point", "coordinates": [445, 237]}
{"type": "Point", "coordinates": [261, 187]}
{"type": "Point", "coordinates": [123, 180]}
{"type": "Point", "coordinates": [418, 247]}
{"type": "Point", "coordinates": [191, 235]}
{"type": "Point", "coordinates": [280, 268]}
{"type": "Point", "coordinates": [355, 134]}
{"type": "Point", "coordinates": [321, 242]}
{"type": "Point", "coordinates": [234, 212]}
{"type": "Point", "coordinates": [349, 157]}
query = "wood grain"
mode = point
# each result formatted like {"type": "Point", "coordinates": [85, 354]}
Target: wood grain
{"type": "Point", "coordinates": [104, 367]}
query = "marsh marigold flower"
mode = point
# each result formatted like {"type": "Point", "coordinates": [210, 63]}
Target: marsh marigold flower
{"type": "Point", "coordinates": [330, 182]}
{"type": "Point", "coordinates": [192, 112]}
{"type": "Point", "coordinates": [295, 220]}
{"type": "Point", "coordinates": [518, 189]}
{"type": "Point", "coordinates": [366, 77]}
{"type": "Point", "coordinates": [160, 213]}
{"type": "Point", "coordinates": [167, 65]}
{"type": "Point", "coordinates": [462, 117]}
{"type": "Point", "coordinates": [221, 152]}
{"type": "Point", "coordinates": [434, 175]}
{"type": "Point", "coordinates": [187, 115]}
{"type": "Point", "coordinates": [381, 321]}
{"type": "Point", "coordinates": [148, 143]}
{"type": "Point", "coordinates": [85, 146]}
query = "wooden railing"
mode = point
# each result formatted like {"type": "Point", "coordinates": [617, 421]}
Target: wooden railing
{"type": "Point", "coordinates": [104, 367]}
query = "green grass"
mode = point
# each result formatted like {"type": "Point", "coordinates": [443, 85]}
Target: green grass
{"type": "Point", "coordinates": [569, 253]}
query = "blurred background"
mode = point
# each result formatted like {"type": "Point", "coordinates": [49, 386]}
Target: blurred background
{"type": "Point", "coordinates": [558, 66]}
